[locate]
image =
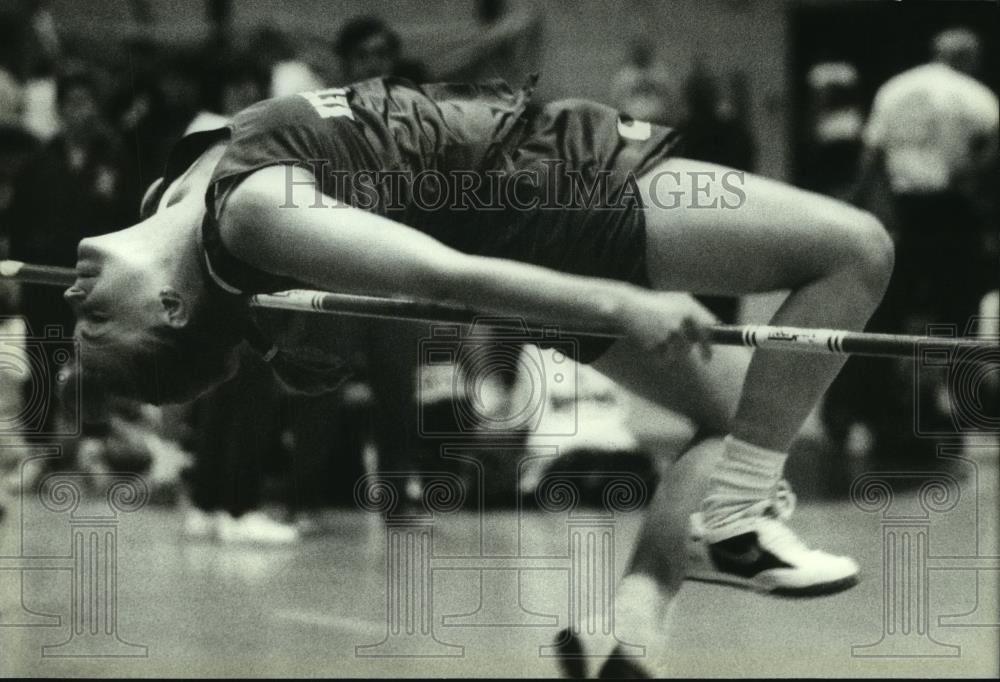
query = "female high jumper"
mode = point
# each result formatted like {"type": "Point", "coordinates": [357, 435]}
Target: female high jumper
{"type": "Point", "coordinates": [565, 212]}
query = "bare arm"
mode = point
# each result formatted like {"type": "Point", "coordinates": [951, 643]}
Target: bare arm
{"type": "Point", "coordinates": [348, 250]}
{"type": "Point", "coordinates": [314, 239]}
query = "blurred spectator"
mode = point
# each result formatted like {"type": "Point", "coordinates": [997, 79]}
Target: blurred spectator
{"type": "Point", "coordinates": [490, 12]}
{"type": "Point", "coordinates": [133, 104]}
{"type": "Point", "coordinates": [368, 48]}
{"type": "Point", "coordinates": [713, 131]}
{"type": "Point", "coordinates": [43, 27]}
{"type": "Point", "coordinates": [11, 100]}
{"type": "Point", "coordinates": [29, 53]}
{"type": "Point", "coordinates": [136, 438]}
{"type": "Point", "coordinates": [284, 70]}
{"type": "Point", "coordinates": [505, 43]}
{"type": "Point", "coordinates": [72, 188]}
{"type": "Point", "coordinates": [933, 133]}
{"type": "Point", "coordinates": [13, 143]}
{"type": "Point", "coordinates": [51, 196]}
{"type": "Point", "coordinates": [325, 434]}
{"type": "Point", "coordinates": [16, 146]}
{"type": "Point", "coordinates": [242, 85]}
{"type": "Point", "coordinates": [13, 39]}
{"type": "Point", "coordinates": [717, 133]}
{"type": "Point", "coordinates": [932, 141]}
{"type": "Point", "coordinates": [933, 128]}
{"type": "Point", "coordinates": [645, 89]}
{"type": "Point", "coordinates": [237, 431]}
{"type": "Point", "coordinates": [292, 76]}
{"type": "Point", "coordinates": [159, 96]}
{"type": "Point", "coordinates": [12, 404]}
{"type": "Point", "coordinates": [836, 120]}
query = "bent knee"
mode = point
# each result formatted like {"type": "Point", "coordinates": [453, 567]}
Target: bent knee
{"type": "Point", "coordinates": [867, 251]}
{"type": "Point", "coordinates": [878, 253]}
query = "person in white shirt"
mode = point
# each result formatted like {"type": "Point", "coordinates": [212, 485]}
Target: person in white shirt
{"type": "Point", "coordinates": [646, 89]}
{"type": "Point", "coordinates": [931, 143]}
{"type": "Point", "coordinates": [935, 125]}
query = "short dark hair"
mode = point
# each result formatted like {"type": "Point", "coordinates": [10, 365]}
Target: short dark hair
{"type": "Point", "coordinates": [360, 29]}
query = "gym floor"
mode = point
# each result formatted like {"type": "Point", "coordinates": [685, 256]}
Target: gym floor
{"type": "Point", "coordinates": [204, 609]}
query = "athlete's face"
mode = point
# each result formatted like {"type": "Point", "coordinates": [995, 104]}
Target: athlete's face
{"type": "Point", "coordinates": [127, 282]}
{"type": "Point", "coordinates": [113, 296]}
{"type": "Point", "coordinates": [121, 277]}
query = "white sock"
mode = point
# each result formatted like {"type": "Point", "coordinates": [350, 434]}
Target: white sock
{"type": "Point", "coordinates": [743, 481]}
{"type": "Point", "coordinates": [637, 607]}
{"type": "Point", "coordinates": [638, 610]}
{"type": "Point", "coordinates": [642, 617]}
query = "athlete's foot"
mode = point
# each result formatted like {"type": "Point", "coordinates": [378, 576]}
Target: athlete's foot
{"type": "Point", "coordinates": [570, 655]}
{"type": "Point", "coordinates": [621, 667]}
{"type": "Point", "coordinates": [572, 658]}
{"type": "Point", "coordinates": [769, 558]}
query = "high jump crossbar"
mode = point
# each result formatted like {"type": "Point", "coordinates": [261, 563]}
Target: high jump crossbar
{"type": "Point", "coordinates": [824, 341]}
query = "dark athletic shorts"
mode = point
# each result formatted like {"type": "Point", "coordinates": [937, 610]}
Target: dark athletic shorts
{"type": "Point", "coordinates": [580, 162]}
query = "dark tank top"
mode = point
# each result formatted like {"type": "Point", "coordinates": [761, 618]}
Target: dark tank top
{"type": "Point", "coordinates": [368, 145]}
{"type": "Point", "coordinates": [346, 137]}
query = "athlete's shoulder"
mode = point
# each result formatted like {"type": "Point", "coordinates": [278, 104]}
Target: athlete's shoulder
{"type": "Point", "coordinates": [275, 109]}
{"type": "Point", "coordinates": [316, 110]}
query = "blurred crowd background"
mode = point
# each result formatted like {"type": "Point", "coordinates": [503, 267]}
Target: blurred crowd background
{"type": "Point", "coordinates": [93, 93]}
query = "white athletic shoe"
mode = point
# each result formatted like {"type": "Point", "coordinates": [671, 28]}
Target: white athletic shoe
{"type": "Point", "coordinates": [770, 557]}
{"type": "Point", "coordinates": [256, 528]}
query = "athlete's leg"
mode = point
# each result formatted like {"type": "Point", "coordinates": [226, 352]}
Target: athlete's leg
{"type": "Point", "coordinates": [706, 392]}
{"type": "Point", "coordinates": [834, 259]}
{"type": "Point", "coordinates": [703, 236]}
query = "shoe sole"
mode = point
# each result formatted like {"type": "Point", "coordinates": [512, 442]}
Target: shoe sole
{"type": "Point", "coordinates": [817, 590]}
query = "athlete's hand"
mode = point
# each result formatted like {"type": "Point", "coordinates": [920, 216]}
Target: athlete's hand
{"type": "Point", "coordinates": [666, 324]}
